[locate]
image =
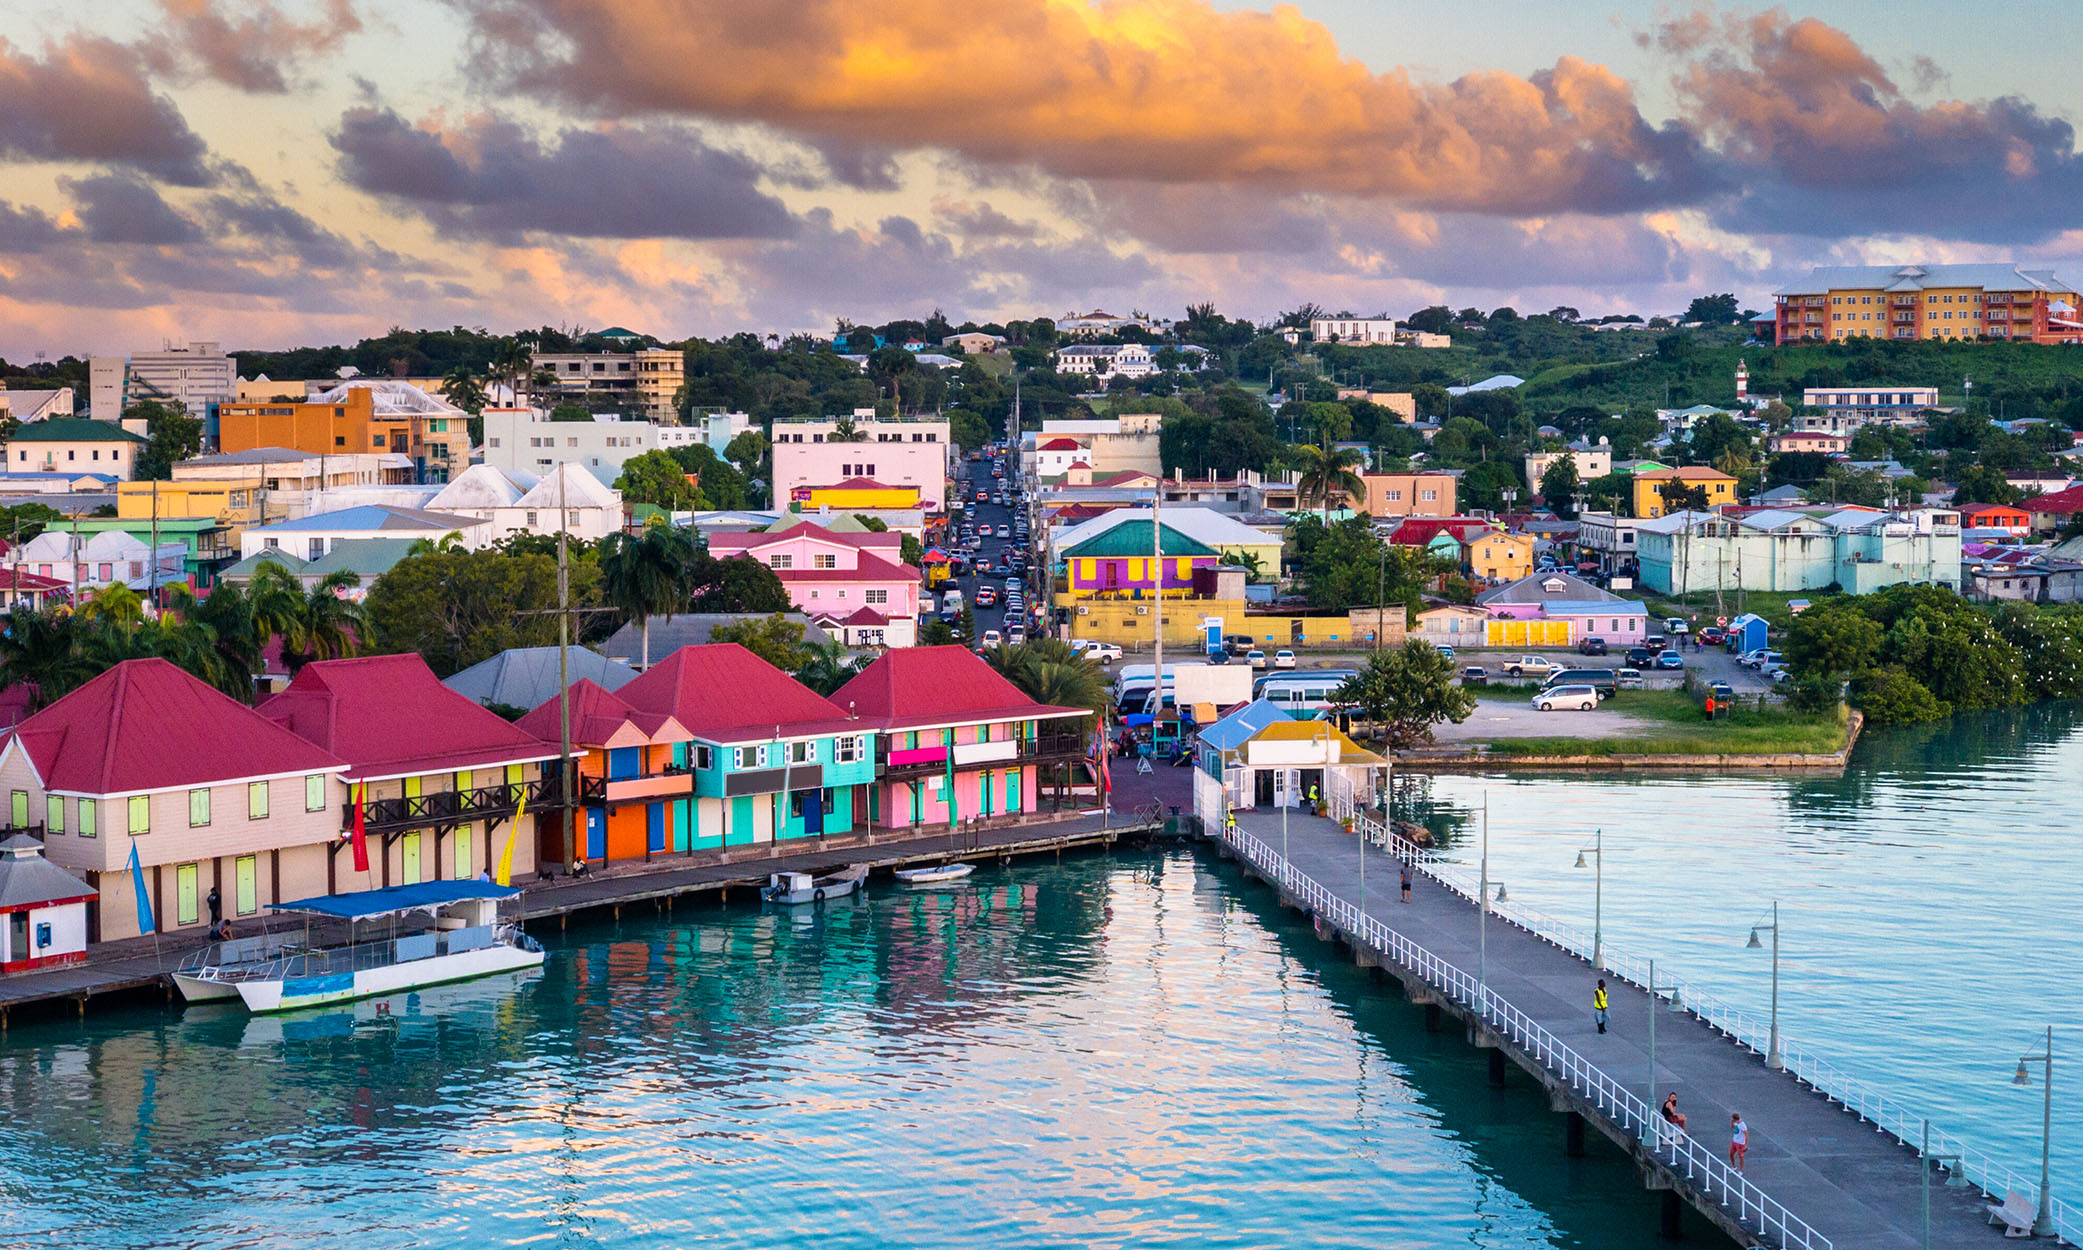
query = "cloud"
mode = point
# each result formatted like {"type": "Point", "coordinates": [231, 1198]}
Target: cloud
{"type": "Point", "coordinates": [494, 178]}
{"type": "Point", "coordinates": [246, 45]}
{"type": "Point", "coordinates": [87, 99]}
{"type": "Point", "coordinates": [119, 209]}
{"type": "Point", "coordinates": [1154, 90]}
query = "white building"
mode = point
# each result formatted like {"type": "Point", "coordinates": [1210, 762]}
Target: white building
{"type": "Point", "coordinates": [1100, 324]}
{"type": "Point", "coordinates": [199, 376]}
{"type": "Point", "coordinates": [717, 429]}
{"type": "Point", "coordinates": [43, 908]}
{"type": "Point", "coordinates": [1104, 361]}
{"type": "Point", "coordinates": [1591, 462]}
{"type": "Point", "coordinates": [25, 405]}
{"type": "Point", "coordinates": [310, 537]}
{"type": "Point", "coordinates": [1353, 329]}
{"type": "Point", "coordinates": [521, 503]}
{"type": "Point", "coordinates": [527, 440]}
{"type": "Point", "coordinates": [95, 561]}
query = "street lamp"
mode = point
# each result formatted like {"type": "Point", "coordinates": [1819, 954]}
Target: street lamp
{"type": "Point", "coordinates": [1956, 1177]}
{"type": "Point", "coordinates": [2043, 1223]}
{"type": "Point", "coordinates": [1772, 1059]}
{"type": "Point", "coordinates": [1482, 906]}
{"type": "Point", "coordinates": [1597, 851]}
{"type": "Point", "coordinates": [1656, 991]}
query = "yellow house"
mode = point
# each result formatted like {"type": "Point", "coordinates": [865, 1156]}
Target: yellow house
{"type": "Point", "coordinates": [1720, 488]}
{"type": "Point", "coordinates": [855, 492]}
{"type": "Point", "coordinates": [1499, 557]}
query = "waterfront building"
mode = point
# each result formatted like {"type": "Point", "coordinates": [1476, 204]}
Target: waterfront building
{"type": "Point", "coordinates": [231, 802]}
{"type": "Point", "coordinates": [772, 760]}
{"type": "Point", "coordinates": [43, 908]}
{"type": "Point", "coordinates": [955, 740]}
{"type": "Point", "coordinates": [832, 574]}
{"type": "Point", "coordinates": [1957, 302]}
{"type": "Point", "coordinates": [636, 786]}
{"type": "Point", "coordinates": [1553, 609]}
{"type": "Point", "coordinates": [437, 779]}
{"type": "Point", "coordinates": [1259, 756]}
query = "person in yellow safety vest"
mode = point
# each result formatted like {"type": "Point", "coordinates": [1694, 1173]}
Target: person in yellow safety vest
{"type": "Point", "coordinates": [1229, 822]}
{"type": "Point", "coordinates": [1312, 795]}
{"type": "Point", "coordinates": [1598, 1004]}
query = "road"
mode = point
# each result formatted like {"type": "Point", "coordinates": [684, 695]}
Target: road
{"type": "Point", "coordinates": [974, 476]}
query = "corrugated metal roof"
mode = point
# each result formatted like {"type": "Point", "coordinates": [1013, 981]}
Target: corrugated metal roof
{"type": "Point", "coordinates": [525, 676]}
{"type": "Point", "coordinates": [1242, 725]}
{"type": "Point", "coordinates": [725, 693]}
{"type": "Point", "coordinates": [913, 686]}
{"type": "Point", "coordinates": [1990, 277]}
{"type": "Point", "coordinates": [388, 715]}
{"type": "Point", "coordinates": [27, 878]}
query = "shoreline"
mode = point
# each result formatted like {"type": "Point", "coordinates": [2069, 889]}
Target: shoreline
{"type": "Point", "coordinates": [1482, 759]}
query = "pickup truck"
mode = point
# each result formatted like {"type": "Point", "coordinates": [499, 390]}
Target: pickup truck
{"type": "Point", "coordinates": [1530, 666]}
{"type": "Point", "coordinates": [1103, 652]}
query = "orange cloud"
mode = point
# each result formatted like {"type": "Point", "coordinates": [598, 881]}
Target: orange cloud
{"type": "Point", "coordinates": [1159, 90]}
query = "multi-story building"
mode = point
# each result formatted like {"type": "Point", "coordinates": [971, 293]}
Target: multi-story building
{"type": "Point", "coordinates": [73, 445]}
{"type": "Point", "coordinates": [1104, 361]}
{"type": "Point", "coordinates": [1410, 494]}
{"type": "Point", "coordinates": [1353, 329]}
{"type": "Point", "coordinates": [1819, 442]}
{"type": "Point", "coordinates": [895, 451]}
{"type": "Point", "coordinates": [1498, 557]}
{"type": "Point", "coordinates": [853, 580]}
{"type": "Point", "coordinates": [1608, 538]}
{"type": "Point", "coordinates": [643, 383]}
{"type": "Point", "coordinates": [1773, 549]}
{"type": "Point", "coordinates": [1998, 301]}
{"type": "Point", "coordinates": [1120, 444]}
{"type": "Point", "coordinates": [361, 417]}
{"type": "Point", "coordinates": [1719, 487]}
{"type": "Point", "coordinates": [1102, 324]}
{"type": "Point", "coordinates": [717, 429]}
{"type": "Point", "coordinates": [956, 741]}
{"type": "Point", "coordinates": [636, 777]}
{"type": "Point", "coordinates": [1846, 409]}
{"type": "Point", "coordinates": [27, 405]}
{"type": "Point", "coordinates": [526, 440]}
{"type": "Point", "coordinates": [198, 377]}
{"type": "Point", "coordinates": [1591, 462]}
{"type": "Point", "coordinates": [567, 499]}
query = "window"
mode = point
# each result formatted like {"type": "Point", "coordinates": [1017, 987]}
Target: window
{"type": "Point", "coordinates": [198, 807]}
{"type": "Point", "coordinates": [314, 792]}
{"type": "Point", "coordinates": [802, 752]}
{"type": "Point", "coordinates": [878, 596]}
{"type": "Point", "coordinates": [781, 562]}
{"type": "Point", "coordinates": [140, 815]}
{"type": "Point", "coordinates": [751, 757]}
{"type": "Point", "coordinates": [20, 809]}
{"type": "Point", "coordinates": [89, 817]}
{"type": "Point", "coordinates": [257, 800]}
{"type": "Point", "coordinates": [531, 520]}
{"type": "Point", "coordinates": [54, 813]}
{"type": "Point", "coordinates": [846, 750]}
{"type": "Point", "coordinates": [824, 561]}
{"type": "Point", "coordinates": [703, 756]}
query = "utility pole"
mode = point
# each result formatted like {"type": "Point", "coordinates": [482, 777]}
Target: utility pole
{"type": "Point", "coordinates": [566, 785]}
{"type": "Point", "coordinates": [1157, 589]}
{"type": "Point", "coordinates": [153, 560]}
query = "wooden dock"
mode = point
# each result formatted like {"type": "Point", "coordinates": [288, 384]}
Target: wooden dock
{"type": "Point", "coordinates": [1820, 1176]}
{"type": "Point", "coordinates": [137, 966]}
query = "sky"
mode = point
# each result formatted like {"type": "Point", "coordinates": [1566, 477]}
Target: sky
{"type": "Point", "coordinates": [271, 173]}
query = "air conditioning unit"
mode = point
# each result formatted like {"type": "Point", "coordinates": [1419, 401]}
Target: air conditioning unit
{"type": "Point", "coordinates": [1142, 610]}
{"type": "Point", "coordinates": [1083, 610]}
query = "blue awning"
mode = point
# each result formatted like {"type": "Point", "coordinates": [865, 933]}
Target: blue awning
{"type": "Point", "coordinates": [425, 896]}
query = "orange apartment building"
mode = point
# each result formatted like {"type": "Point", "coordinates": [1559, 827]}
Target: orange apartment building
{"type": "Point", "coordinates": [358, 418]}
{"type": "Point", "coordinates": [1837, 302]}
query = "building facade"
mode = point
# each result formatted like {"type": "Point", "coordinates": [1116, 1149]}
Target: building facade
{"type": "Point", "coordinates": [1718, 487]}
{"type": "Point", "coordinates": [197, 376]}
{"type": "Point", "coordinates": [1837, 302]}
{"type": "Point", "coordinates": [1354, 330]}
{"type": "Point", "coordinates": [895, 451]}
{"type": "Point", "coordinates": [74, 445]}
{"type": "Point", "coordinates": [1844, 410]}
{"type": "Point", "coordinates": [836, 575]}
{"type": "Point", "coordinates": [1411, 494]}
{"type": "Point", "coordinates": [1857, 549]}
{"type": "Point", "coordinates": [641, 383]}
{"type": "Point", "coordinates": [357, 417]}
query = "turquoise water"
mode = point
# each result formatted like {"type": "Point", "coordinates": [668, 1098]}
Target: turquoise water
{"type": "Point", "coordinates": [1134, 1050]}
{"type": "Point", "coordinates": [1929, 901]}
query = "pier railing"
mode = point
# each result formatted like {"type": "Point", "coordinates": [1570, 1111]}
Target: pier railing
{"type": "Point", "coordinates": [1699, 1166]}
{"type": "Point", "coordinates": [1888, 1113]}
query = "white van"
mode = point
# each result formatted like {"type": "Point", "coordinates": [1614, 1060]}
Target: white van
{"type": "Point", "coordinates": [951, 604]}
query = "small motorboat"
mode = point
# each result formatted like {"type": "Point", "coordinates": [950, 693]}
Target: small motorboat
{"type": "Point", "coordinates": [801, 887]}
{"type": "Point", "coordinates": [935, 875]}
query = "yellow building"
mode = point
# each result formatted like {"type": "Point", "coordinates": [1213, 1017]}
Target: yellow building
{"type": "Point", "coordinates": [1499, 557]}
{"type": "Point", "coordinates": [855, 492]}
{"type": "Point", "coordinates": [234, 504]}
{"type": "Point", "coordinates": [1972, 301]}
{"type": "Point", "coordinates": [1720, 488]}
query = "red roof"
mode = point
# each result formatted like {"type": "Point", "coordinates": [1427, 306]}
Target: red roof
{"type": "Point", "coordinates": [867, 616]}
{"type": "Point", "coordinates": [1984, 509]}
{"type": "Point", "coordinates": [2060, 503]}
{"type": "Point", "coordinates": [16, 578]}
{"type": "Point", "coordinates": [1418, 530]}
{"type": "Point", "coordinates": [389, 716]}
{"type": "Point", "coordinates": [146, 725]}
{"type": "Point", "coordinates": [1060, 444]}
{"type": "Point", "coordinates": [863, 483]}
{"type": "Point", "coordinates": [951, 685]}
{"type": "Point", "coordinates": [724, 693]}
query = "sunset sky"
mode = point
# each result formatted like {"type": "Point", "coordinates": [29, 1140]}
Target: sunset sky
{"type": "Point", "coordinates": [277, 172]}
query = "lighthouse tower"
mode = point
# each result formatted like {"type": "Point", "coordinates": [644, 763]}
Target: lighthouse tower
{"type": "Point", "coordinates": [1742, 385]}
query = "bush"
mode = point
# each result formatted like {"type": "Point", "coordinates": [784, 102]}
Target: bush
{"type": "Point", "coordinates": [1890, 696]}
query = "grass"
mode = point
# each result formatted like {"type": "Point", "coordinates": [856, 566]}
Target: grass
{"type": "Point", "coordinates": [1680, 728]}
{"type": "Point", "coordinates": [1770, 604]}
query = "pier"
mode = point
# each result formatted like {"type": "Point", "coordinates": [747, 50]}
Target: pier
{"type": "Point", "coordinates": [137, 965]}
{"type": "Point", "coordinates": [1832, 1166]}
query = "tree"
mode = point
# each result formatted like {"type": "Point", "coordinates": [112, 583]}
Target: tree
{"type": "Point", "coordinates": [646, 575]}
{"type": "Point", "coordinates": [1979, 484]}
{"type": "Point", "coordinates": [457, 607]}
{"type": "Point", "coordinates": [1890, 696]}
{"type": "Point", "coordinates": [171, 436]}
{"type": "Point", "coordinates": [1832, 640]}
{"type": "Point", "coordinates": [721, 484]}
{"type": "Point", "coordinates": [1322, 472]}
{"type": "Point", "coordinates": [1048, 671]}
{"type": "Point", "coordinates": [1430, 398]}
{"type": "Point", "coordinates": [463, 388]}
{"type": "Point", "coordinates": [1677, 496]}
{"type": "Point", "coordinates": [910, 552]}
{"type": "Point", "coordinates": [937, 633]}
{"type": "Point", "coordinates": [846, 430]}
{"type": "Point", "coordinates": [737, 584]}
{"type": "Point", "coordinates": [1714, 310]}
{"type": "Point", "coordinates": [969, 429]}
{"type": "Point", "coordinates": [773, 638]}
{"type": "Point", "coordinates": [25, 521]}
{"type": "Point", "coordinates": [1438, 319]}
{"type": "Point", "coordinates": [569, 411]}
{"type": "Point", "coordinates": [656, 478]}
{"type": "Point", "coordinates": [1405, 691]}
{"type": "Point", "coordinates": [1559, 484]}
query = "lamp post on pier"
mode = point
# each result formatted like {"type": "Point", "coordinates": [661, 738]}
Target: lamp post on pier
{"type": "Point", "coordinates": [1597, 851]}
{"type": "Point", "coordinates": [2043, 1223]}
{"type": "Point", "coordinates": [1482, 905]}
{"type": "Point", "coordinates": [1772, 1059]}
{"type": "Point", "coordinates": [1956, 1177]}
{"type": "Point", "coordinates": [1650, 1131]}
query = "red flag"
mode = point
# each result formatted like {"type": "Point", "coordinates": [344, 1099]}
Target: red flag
{"type": "Point", "coordinates": [361, 840]}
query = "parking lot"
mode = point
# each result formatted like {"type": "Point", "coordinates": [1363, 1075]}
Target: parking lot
{"type": "Point", "coordinates": [1515, 718]}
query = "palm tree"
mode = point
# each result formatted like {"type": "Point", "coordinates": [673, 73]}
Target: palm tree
{"type": "Point", "coordinates": [829, 667]}
{"type": "Point", "coordinates": [1253, 564]}
{"type": "Point", "coordinates": [846, 431]}
{"type": "Point", "coordinates": [1324, 471]}
{"type": "Point", "coordinates": [333, 624]}
{"type": "Point", "coordinates": [225, 623]}
{"type": "Point", "coordinates": [37, 648]}
{"type": "Point", "coordinates": [1048, 671]}
{"type": "Point", "coordinates": [463, 389]}
{"type": "Point", "coordinates": [512, 363]}
{"type": "Point", "coordinates": [646, 575]}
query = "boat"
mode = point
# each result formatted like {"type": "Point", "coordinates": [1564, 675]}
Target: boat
{"type": "Point", "coordinates": [935, 874]}
{"type": "Point", "coordinates": [801, 887]}
{"type": "Point", "coordinates": [431, 933]}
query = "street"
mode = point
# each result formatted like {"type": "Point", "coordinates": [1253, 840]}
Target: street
{"type": "Point", "coordinates": [974, 476]}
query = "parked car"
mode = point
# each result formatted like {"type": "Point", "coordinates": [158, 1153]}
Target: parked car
{"type": "Point", "coordinates": [1283, 659]}
{"type": "Point", "coordinates": [1762, 660]}
{"type": "Point", "coordinates": [1257, 657]}
{"type": "Point", "coordinates": [1656, 642]}
{"type": "Point", "coordinates": [1530, 666]}
{"type": "Point", "coordinates": [1676, 625]}
{"type": "Point", "coordinates": [1016, 635]}
{"type": "Point", "coordinates": [1670, 659]}
{"type": "Point", "coordinates": [1448, 652]}
{"type": "Point", "coordinates": [1720, 690]}
{"type": "Point", "coordinates": [1779, 675]}
{"type": "Point", "coordinates": [1603, 680]}
{"type": "Point", "coordinates": [1640, 657]}
{"type": "Point", "coordinates": [1475, 675]}
{"type": "Point", "coordinates": [1592, 646]}
{"type": "Point", "coordinates": [1237, 644]}
{"type": "Point", "coordinates": [1713, 636]}
{"type": "Point", "coordinates": [1567, 698]}
{"type": "Point", "coordinates": [1630, 679]}
{"type": "Point", "coordinates": [1104, 652]}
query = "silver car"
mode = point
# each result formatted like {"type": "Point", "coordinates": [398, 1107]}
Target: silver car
{"type": "Point", "coordinates": [1566, 698]}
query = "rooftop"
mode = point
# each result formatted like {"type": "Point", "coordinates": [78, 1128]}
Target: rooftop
{"type": "Point", "coordinates": [525, 676]}
{"type": "Point", "coordinates": [388, 716]}
{"type": "Point", "coordinates": [724, 693]}
{"type": "Point", "coordinates": [73, 430]}
{"type": "Point", "coordinates": [912, 687]}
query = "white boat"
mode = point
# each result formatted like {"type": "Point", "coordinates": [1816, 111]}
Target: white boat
{"type": "Point", "coordinates": [934, 875]}
{"type": "Point", "coordinates": [801, 887]}
{"type": "Point", "coordinates": [434, 932]}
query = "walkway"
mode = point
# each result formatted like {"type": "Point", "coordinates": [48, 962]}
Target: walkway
{"type": "Point", "coordinates": [1845, 1184]}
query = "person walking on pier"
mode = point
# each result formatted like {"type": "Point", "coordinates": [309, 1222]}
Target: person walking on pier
{"type": "Point", "coordinates": [1406, 881]}
{"type": "Point", "coordinates": [1739, 1139]}
{"type": "Point", "coordinates": [1598, 1004]}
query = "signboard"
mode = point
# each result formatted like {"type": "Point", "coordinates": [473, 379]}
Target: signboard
{"type": "Point", "coordinates": [1722, 621]}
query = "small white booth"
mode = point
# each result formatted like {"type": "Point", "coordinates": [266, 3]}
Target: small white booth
{"type": "Point", "coordinates": [43, 909]}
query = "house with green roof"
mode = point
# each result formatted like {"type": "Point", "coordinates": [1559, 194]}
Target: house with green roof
{"type": "Point", "coordinates": [73, 445]}
{"type": "Point", "coordinates": [1131, 561]}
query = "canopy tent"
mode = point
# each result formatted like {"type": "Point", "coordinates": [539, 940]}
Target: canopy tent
{"type": "Point", "coordinates": [426, 896]}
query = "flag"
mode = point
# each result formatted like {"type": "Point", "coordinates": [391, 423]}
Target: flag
{"type": "Point", "coordinates": [505, 874]}
{"type": "Point", "coordinates": [145, 923]}
{"type": "Point", "coordinates": [361, 838]}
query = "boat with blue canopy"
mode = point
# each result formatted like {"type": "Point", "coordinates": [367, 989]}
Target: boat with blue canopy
{"type": "Point", "coordinates": [364, 944]}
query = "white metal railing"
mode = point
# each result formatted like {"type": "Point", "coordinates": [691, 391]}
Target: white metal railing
{"type": "Point", "coordinates": [1701, 1167]}
{"type": "Point", "coordinates": [1888, 1113]}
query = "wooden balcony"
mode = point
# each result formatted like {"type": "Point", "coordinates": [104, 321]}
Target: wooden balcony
{"type": "Point", "coordinates": [450, 809]}
{"type": "Point", "coordinates": [1048, 748]}
{"type": "Point", "coordinates": [673, 783]}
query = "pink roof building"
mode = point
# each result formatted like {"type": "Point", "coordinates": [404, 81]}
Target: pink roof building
{"type": "Point", "coordinates": [836, 575]}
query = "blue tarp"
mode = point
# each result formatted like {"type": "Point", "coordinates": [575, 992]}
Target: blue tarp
{"type": "Point", "coordinates": [399, 898]}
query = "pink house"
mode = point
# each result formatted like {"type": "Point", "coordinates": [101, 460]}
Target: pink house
{"type": "Point", "coordinates": [854, 581]}
{"type": "Point", "coordinates": [922, 464]}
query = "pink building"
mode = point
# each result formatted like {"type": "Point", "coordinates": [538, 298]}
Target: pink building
{"type": "Point", "coordinates": [850, 579]}
{"type": "Point", "coordinates": [896, 452]}
{"type": "Point", "coordinates": [948, 725]}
